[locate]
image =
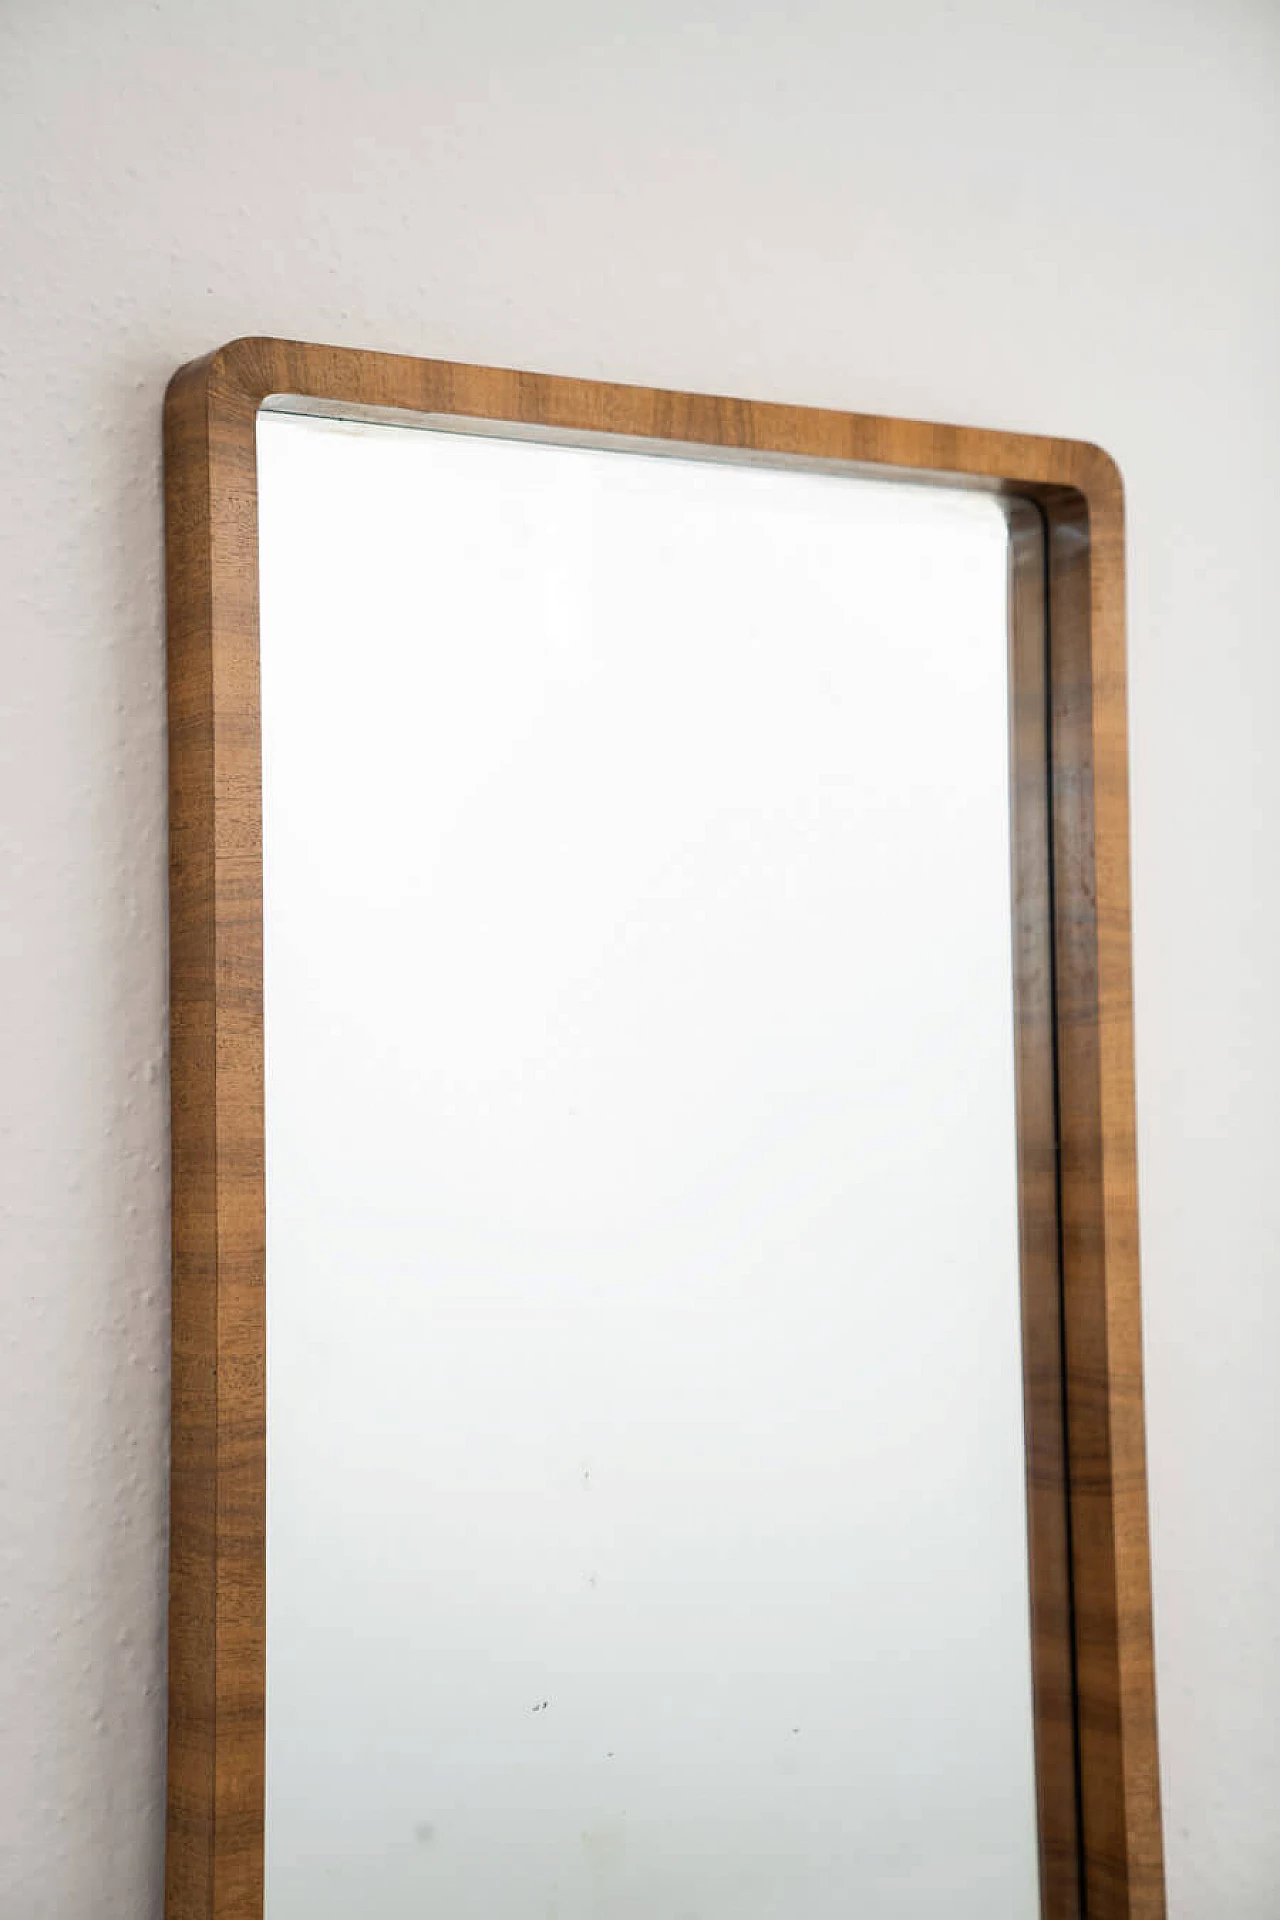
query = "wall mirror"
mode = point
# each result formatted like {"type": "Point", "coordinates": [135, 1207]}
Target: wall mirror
{"type": "Point", "coordinates": [657, 1385]}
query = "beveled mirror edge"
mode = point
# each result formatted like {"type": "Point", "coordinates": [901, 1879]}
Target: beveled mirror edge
{"type": "Point", "coordinates": [1040, 1237]}
{"type": "Point", "coordinates": [1067, 558]}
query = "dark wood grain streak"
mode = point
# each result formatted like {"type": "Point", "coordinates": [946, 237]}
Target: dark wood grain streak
{"type": "Point", "coordinates": [1102, 1317]}
{"type": "Point", "coordinates": [1095, 1705]}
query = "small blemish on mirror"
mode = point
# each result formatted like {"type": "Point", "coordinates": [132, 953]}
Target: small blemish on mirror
{"type": "Point", "coordinates": [424, 1832]}
{"type": "Point", "coordinates": [605, 1848]}
{"type": "Point", "coordinates": [539, 1706]}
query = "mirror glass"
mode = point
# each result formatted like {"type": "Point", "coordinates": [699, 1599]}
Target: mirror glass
{"type": "Point", "coordinates": [647, 1529]}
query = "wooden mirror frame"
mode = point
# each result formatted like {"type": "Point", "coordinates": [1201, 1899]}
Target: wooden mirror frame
{"type": "Point", "coordinates": [1094, 1693]}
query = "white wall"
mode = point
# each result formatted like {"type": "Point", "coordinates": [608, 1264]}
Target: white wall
{"type": "Point", "coordinates": [1019, 215]}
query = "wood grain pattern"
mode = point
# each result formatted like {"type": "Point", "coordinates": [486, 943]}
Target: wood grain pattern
{"type": "Point", "coordinates": [1095, 1703]}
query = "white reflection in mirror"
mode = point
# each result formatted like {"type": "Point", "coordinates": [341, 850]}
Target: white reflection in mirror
{"type": "Point", "coordinates": [647, 1531]}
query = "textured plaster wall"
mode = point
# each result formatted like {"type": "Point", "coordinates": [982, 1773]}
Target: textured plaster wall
{"type": "Point", "coordinates": [1012, 213]}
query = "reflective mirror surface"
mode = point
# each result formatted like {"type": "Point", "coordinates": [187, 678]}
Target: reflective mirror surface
{"type": "Point", "coordinates": [647, 1530]}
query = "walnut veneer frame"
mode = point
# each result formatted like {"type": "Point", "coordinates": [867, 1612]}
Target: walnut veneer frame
{"type": "Point", "coordinates": [1100, 1842]}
